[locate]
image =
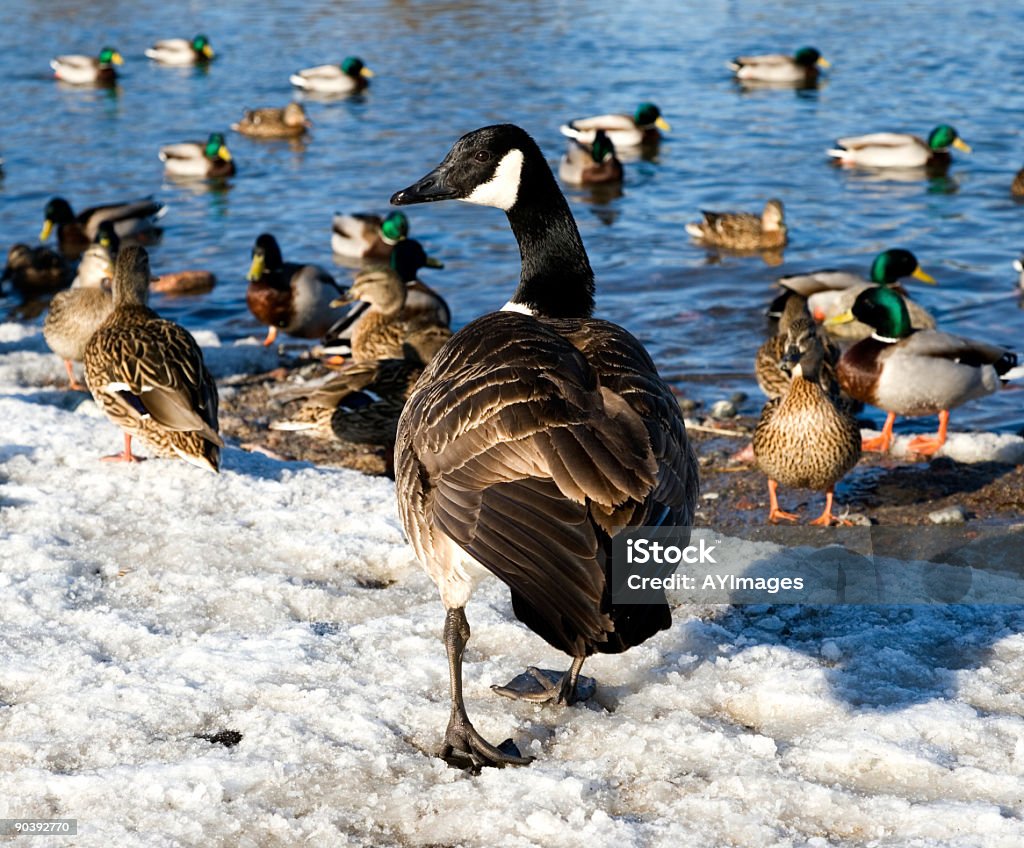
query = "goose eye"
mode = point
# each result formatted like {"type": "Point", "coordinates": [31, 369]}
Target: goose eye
{"type": "Point", "coordinates": [483, 156]}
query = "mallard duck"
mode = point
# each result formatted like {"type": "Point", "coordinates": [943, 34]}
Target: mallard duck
{"type": "Point", "coordinates": [181, 51]}
{"type": "Point", "coordinates": [286, 296]}
{"type": "Point", "coordinates": [35, 271]}
{"type": "Point", "coordinates": [289, 122]}
{"type": "Point", "coordinates": [916, 372]}
{"type": "Point", "coordinates": [95, 270]}
{"type": "Point", "coordinates": [85, 70]}
{"type": "Point", "coordinates": [830, 292]}
{"type": "Point", "coordinates": [363, 236]}
{"type": "Point", "coordinates": [1017, 186]}
{"type": "Point", "coordinates": [148, 376]}
{"type": "Point", "coordinates": [184, 282]}
{"type": "Point", "coordinates": [591, 164]}
{"type": "Point", "coordinates": [899, 150]}
{"type": "Point", "coordinates": [742, 230]}
{"type": "Point", "coordinates": [806, 437]}
{"type": "Point", "coordinates": [107, 237]}
{"type": "Point", "coordinates": [801, 67]}
{"type": "Point", "coordinates": [535, 436]}
{"type": "Point", "coordinates": [135, 219]}
{"type": "Point", "coordinates": [622, 130]}
{"type": "Point", "coordinates": [794, 324]}
{"type": "Point", "coordinates": [351, 75]}
{"type": "Point", "coordinates": [196, 159]}
{"type": "Point", "coordinates": [75, 315]}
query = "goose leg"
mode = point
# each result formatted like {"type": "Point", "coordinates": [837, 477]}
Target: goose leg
{"type": "Point", "coordinates": [126, 455]}
{"type": "Point", "coordinates": [271, 335]}
{"type": "Point", "coordinates": [882, 442]}
{"type": "Point", "coordinates": [73, 383]}
{"type": "Point", "coordinates": [827, 518]}
{"type": "Point", "coordinates": [774, 513]}
{"type": "Point", "coordinates": [540, 685]}
{"type": "Point", "coordinates": [929, 445]}
{"type": "Point", "coordinates": [462, 744]}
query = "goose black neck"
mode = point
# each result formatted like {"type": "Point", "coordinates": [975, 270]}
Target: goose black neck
{"type": "Point", "coordinates": [556, 279]}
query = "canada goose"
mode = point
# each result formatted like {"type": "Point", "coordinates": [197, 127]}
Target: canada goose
{"type": "Point", "coordinates": [364, 236]}
{"type": "Point", "coordinates": [87, 70]}
{"type": "Point", "coordinates": [536, 435]}
{"type": "Point", "coordinates": [288, 122]}
{"type": "Point", "coordinates": [134, 219]}
{"type": "Point", "coordinates": [801, 67]}
{"type": "Point", "coordinates": [742, 230]}
{"type": "Point", "coordinates": [286, 296]}
{"type": "Point", "coordinates": [916, 372]}
{"type": "Point", "coordinates": [591, 164]}
{"type": "Point", "coordinates": [148, 376]}
{"type": "Point", "coordinates": [350, 76]}
{"type": "Point", "coordinates": [806, 437]}
{"type": "Point", "coordinates": [211, 159]}
{"type": "Point", "coordinates": [899, 150]}
{"type": "Point", "coordinates": [642, 127]}
{"type": "Point", "coordinates": [181, 51]}
{"type": "Point", "coordinates": [35, 271]}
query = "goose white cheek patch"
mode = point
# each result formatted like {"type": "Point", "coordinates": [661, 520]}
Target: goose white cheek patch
{"type": "Point", "coordinates": [502, 189]}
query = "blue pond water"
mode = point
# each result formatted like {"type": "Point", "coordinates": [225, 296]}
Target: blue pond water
{"type": "Point", "coordinates": [447, 67]}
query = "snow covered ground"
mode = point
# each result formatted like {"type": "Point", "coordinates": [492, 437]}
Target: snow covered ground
{"type": "Point", "coordinates": [145, 606]}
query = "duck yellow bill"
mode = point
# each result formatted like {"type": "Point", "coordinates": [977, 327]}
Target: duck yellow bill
{"type": "Point", "coordinates": [823, 62]}
{"type": "Point", "coordinates": [116, 58]}
{"type": "Point", "coordinates": [224, 153]}
{"type": "Point", "coordinates": [923, 276]}
{"type": "Point", "coordinates": [344, 300]}
{"type": "Point", "coordinates": [961, 145]}
{"type": "Point", "coordinates": [843, 318]}
{"type": "Point", "coordinates": [662, 124]}
{"type": "Point", "coordinates": [44, 234]}
{"type": "Point", "coordinates": [365, 72]}
{"type": "Point", "coordinates": [208, 51]}
{"type": "Point", "coordinates": [256, 269]}
{"type": "Point", "coordinates": [434, 263]}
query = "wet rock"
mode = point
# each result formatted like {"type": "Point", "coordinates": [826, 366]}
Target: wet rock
{"type": "Point", "coordinates": [955, 514]}
{"type": "Point", "coordinates": [723, 409]}
{"type": "Point", "coordinates": [227, 738]}
{"type": "Point", "coordinates": [688, 404]}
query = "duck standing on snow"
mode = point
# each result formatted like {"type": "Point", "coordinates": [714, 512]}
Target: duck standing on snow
{"type": "Point", "coordinates": [196, 159]}
{"type": "Point", "coordinates": [800, 69]}
{"type": "Point", "coordinates": [806, 438]}
{"type": "Point", "coordinates": [348, 77]}
{"type": "Point", "coordinates": [591, 164]}
{"type": "Point", "coordinates": [535, 436]}
{"type": "Point", "coordinates": [148, 376]}
{"type": "Point", "coordinates": [181, 51]}
{"type": "Point", "coordinates": [86, 70]}
{"type": "Point", "coordinates": [286, 296]}
{"type": "Point", "coordinates": [363, 236]}
{"type": "Point", "coordinates": [134, 219]}
{"type": "Point", "coordinates": [899, 150]}
{"type": "Point", "coordinates": [829, 292]}
{"type": "Point", "coordinates": [77, 314]}
{"type": "Point", "coordinates": [289, 122]}
{"type": "Point", "coordinates": [742, 230]}
{"type": "Point", "coordinates": [642, 127]}
{"type": "Point", "coordinates": [916, 372]}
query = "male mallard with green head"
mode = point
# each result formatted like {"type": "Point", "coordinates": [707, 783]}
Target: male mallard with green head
{"type": "Point", "coordinates": [147, 374]}
{"type": "Point", "coordinates": [88, 70]}
{"type": "Point", "coordinates": [916, 372]}
{"type": "Point", "coordinates": [211, 159]}
{"type": "Point", "coordinates": [899, 150]}
{"type": "Point", "coordinates": [642, 127]}
{"type": "Point", "coordinates": [591, 164]}
{"type": "Point", "coordinates": [742, 230]}
{"type": "Point", "coordinates": [800, 68]}
{"type": "Point", "coordinates": [181, 51]}
{"type": "Point", "coordinates": [364, 236]}
{"type": "Point", "coordinates": [348, 77]}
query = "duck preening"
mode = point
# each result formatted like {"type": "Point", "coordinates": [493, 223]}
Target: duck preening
{"type": "Point", "coordinates": [147, 374]}
{"type": "Point", "coordinates": [536, 435]}
{"type": "Point", "coordinates": [916, 372]}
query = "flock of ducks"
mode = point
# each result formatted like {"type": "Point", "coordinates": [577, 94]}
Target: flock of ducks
{"type": "Point", "coordinates": [525, 442]}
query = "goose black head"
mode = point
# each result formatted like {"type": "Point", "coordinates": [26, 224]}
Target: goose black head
{"type": "Point", "coordinates": [485, 167]}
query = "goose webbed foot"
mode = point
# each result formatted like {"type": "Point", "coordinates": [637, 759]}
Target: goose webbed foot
{"type": "Point", "coordinates": [465, 748]}
{"type": "Point", "coordinates": [541, 685]}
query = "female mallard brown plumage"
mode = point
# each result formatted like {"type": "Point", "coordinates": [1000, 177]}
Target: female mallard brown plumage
{"type": "Point", "coordinates": [916, 372]}
{"type": "Point", "coordinates": [88, 70]}
{"type": "Point", "coordinates": [1017, 186]}
{"type": "Point", "coordinates": [742, 230]}
{"type": "Point", "coordinates": [135, 219]}
{"type": "Point", "coordinates": [591, 164]}
{"type": "Point", "coordinates": [806, 438]}
{"type": "Point", "coordinates": [148, 376]}
{"type": "Point", "coordinates": [289, 122]}
{"type": "Point", "coordinates": [799, 69]}
{"type": "Point", "coordinates": [210, 160]}
{"type": "Point", "coordinates": [794, 324]}
{"type": "Point", "coordinates": [535, 436]}
{"type": "Point", "coordinates": [286, 296]}
{"type": "Point", "coordinates": [76, 314]}
{"type": "Point", "coordinates": [35, 271]}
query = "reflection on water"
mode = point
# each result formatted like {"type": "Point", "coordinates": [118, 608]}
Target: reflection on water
{"type": "Point", "coordinates": [445, 68]}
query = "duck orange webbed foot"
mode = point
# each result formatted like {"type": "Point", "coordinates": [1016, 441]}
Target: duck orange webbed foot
{"type": "Point", "coordinates": [879, 444]}
{"type": "Point", "coordinates": [777, 515]}
{"type": "Point", "coordinates": [925, 445]}
{"type": "Point", "coordinates": [122, 457]}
